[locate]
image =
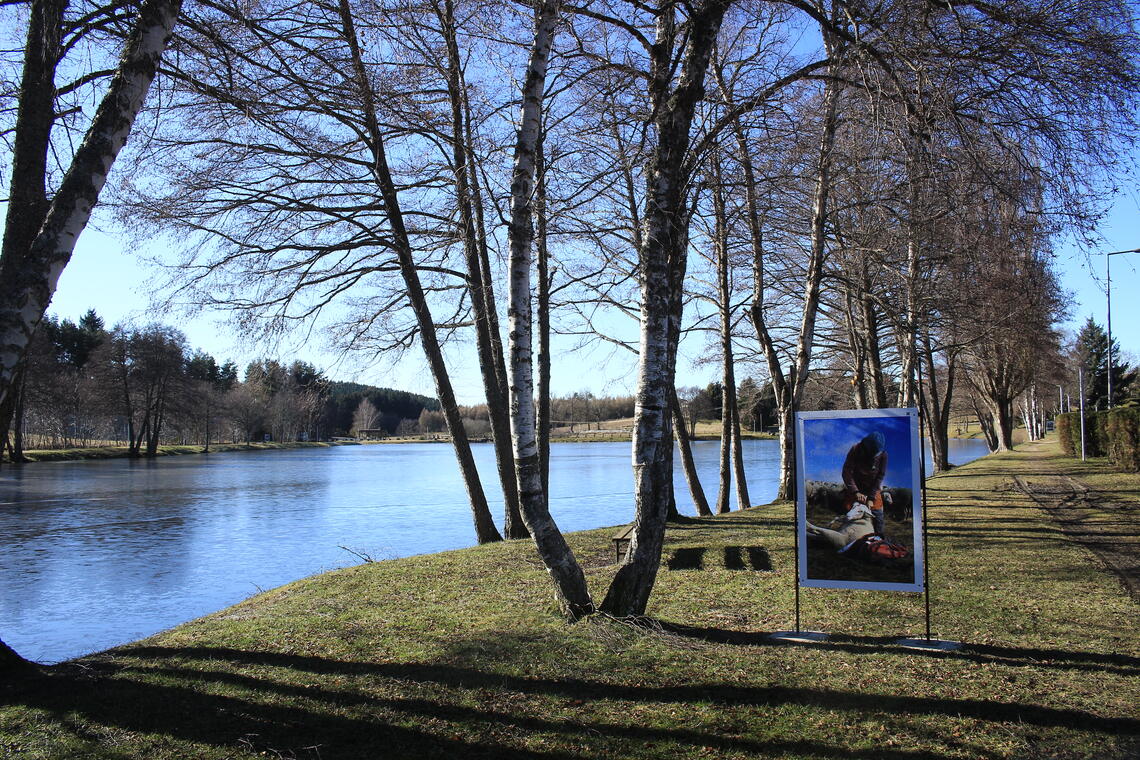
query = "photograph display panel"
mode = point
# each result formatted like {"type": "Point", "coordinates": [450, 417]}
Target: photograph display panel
{"type": "Point", "coordinates": [859, 499]}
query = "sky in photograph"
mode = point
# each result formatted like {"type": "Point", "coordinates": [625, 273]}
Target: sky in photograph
{"type": "Point", "coordinates": [826, 443]}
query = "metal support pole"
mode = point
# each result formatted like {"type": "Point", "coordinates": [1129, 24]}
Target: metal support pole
{"type": "Point", "coordinates": [795, 484]}
{"type": "Point", "coordinates": [927, 643]}
{"type": "Point", "coordinates": [1108, 315]}
{"type": "Point", "coordinates": [1108, 311]}
{"type": "Point", "coordinates": [1081, 382]}
{"type": "Point", "coordinates": [922, 428]}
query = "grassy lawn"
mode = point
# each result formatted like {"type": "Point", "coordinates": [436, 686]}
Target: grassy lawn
{"type": "Point", "coordinates": [463, 654]}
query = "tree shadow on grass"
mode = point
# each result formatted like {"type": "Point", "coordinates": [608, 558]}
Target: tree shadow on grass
{"type": "Point", "coordinates": [688, 558]}
{"type": "Point", "coordinates": [206, 704]}
{"type": "Point", "coordinates": [693, 558]}
{"type": "Point", "coordinates": [307, 706]}
{"type": "Point", "coordinates": [575, 688]}
{"type": "Point", "coordinates": [1055, 659]}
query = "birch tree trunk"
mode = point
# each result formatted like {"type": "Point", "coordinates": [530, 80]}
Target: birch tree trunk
{"type": "Point", "coordinates": [31, 264]}
{"type": "Point", "coordinates": [39, 237]}
{"type": "Point", "coordinates": [741, 480]}
{"type": "Point", "coordinates": [478, 282]}
{"type": "Point", "coordinates": [485, 530]}
{"type": "Point", "coordinates": [728, 383]}
{"type": "Point", "coordinates": [544, 283]}
{"type": "Point", "coordinates": [696, 492]}
{"type": "Point", "coordinates": [569, 581]}
{"type": "Point", "coordinates": [664, 225]}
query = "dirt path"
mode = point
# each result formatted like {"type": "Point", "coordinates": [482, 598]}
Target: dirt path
{"type": "Point", "coordinates": [1105, 527]}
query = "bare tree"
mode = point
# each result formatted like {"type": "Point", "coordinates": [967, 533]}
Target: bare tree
{"type": "Point", "coordinates": [291, 200]}
{"type": "Point", "coordinates": [365, 417]}
{"type": "Point", "coordinates": [556, 554]}
{"type": "Point", "coordinates": [40, 233]}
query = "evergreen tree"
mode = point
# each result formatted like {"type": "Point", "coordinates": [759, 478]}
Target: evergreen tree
{"type": "Point", "coordinates": [1092, 353]}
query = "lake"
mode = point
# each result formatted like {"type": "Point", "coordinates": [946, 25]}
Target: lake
{"type": "Point", "coordinates": [100, 553]}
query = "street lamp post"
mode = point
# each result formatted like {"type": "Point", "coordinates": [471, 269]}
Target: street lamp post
{"type": "Point", "coordinates": [1108, 311]}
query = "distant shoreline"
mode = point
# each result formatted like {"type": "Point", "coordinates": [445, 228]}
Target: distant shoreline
{"type": "Point", "coordinates": [35, 456]}
{"type": "Point", "coordinates": [120, 452]}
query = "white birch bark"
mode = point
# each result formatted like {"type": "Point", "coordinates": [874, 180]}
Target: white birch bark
{"type": "Point", "coordinates": [664, 234]}
{"type": "Point", "coordinates": [30, 276]}
{"type": "Point", "coordinates": [727, 386]}
{"type": "Point", "coordinates": [30, 282]}
{"type": "Point", "coordinates": [569, 581]}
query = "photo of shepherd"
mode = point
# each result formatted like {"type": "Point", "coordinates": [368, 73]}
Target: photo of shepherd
{"type": "Point", "coordinates": [859, 521]}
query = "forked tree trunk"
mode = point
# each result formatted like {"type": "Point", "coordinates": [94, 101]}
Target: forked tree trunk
{"type": "Point", "coordinates": [31, 264]}
{"type": "Point", "coordinates": [1003, 417]}
{"type": "Point", "coordinates": [485, 530]}
{"type": "Point", "coordinates": [664, 221]}
{"type": "Point", "coordinates": [569, 580]}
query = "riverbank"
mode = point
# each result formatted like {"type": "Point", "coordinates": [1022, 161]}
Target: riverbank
{"type": "Point", "coordinates": [122, 452]}
{"type": "Point", "coordinates": [463, 654]}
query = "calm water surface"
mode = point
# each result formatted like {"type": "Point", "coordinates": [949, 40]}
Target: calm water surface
{"type": "Point", "coordinates": [95, 554]}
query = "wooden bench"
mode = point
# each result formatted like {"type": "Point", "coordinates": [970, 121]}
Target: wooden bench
{"type": "Point", "coordinates": [621, 542]}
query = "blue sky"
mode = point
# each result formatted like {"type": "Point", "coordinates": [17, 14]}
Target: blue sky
{"type": "Point", "coordinates": [827, 441]}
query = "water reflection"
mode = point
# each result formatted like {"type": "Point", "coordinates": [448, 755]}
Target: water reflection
{"type": "Point", "coordinates": [99, 553]}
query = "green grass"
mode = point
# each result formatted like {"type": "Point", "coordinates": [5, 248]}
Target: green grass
{"type": "Point", "coordinates": [463, 654]}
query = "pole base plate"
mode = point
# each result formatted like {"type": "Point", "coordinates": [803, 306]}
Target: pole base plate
{"type": "Point", "coordinates": [799, 637]}
{"type": "Point", "coordinates": [936, 645]}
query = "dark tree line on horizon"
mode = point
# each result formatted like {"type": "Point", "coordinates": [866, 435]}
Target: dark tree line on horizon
{"type": "Point", "coordinates": [880, 206]}
{"type": "Point", "coordinates": [86, 385]}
